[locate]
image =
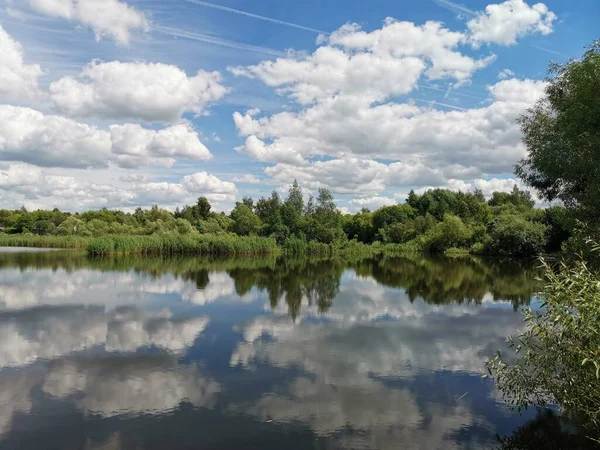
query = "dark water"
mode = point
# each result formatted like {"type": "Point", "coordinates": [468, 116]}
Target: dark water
{"type": "Point", "coordinates": [273, 353]}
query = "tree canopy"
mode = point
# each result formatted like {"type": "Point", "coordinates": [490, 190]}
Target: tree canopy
{"type": "Point", "coordinates": [562, 135]}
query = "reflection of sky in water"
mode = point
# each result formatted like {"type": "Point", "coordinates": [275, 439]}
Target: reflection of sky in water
{"type": "Point", "coordinates": [158, 360]}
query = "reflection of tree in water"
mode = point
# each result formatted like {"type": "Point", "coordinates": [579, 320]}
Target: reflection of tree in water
{"type": "Point", "coordinates": [444, 280]}
{"type": "Point", "coordinates": [435, 280]}
{"type": "Point", "coordinates": [547, 431]}
{"type": "Point", "coordinates": [295, 278]}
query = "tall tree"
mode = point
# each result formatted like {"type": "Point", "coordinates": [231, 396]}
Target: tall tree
{"type": "Point", "coordinates": [202, 208]}
{"type": "Point", "coordinates": [562, 135]}
{"type": "Point", "coordinates": [293, 207]}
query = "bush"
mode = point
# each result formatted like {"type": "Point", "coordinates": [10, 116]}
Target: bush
{"type": "Point", "coordinates": [515, 236]}
{"type": "Point", "coordinates": [558, 354]}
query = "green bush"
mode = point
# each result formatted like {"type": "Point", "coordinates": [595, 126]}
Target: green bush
{"type": "Point", "coordinates": [515, 236]}
{"type": "Point", "coordinates": [558, 354]}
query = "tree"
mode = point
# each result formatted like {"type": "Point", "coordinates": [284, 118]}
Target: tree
{"type": "Point", "coordinates": [557, 359]}
{"type": "Point", "coordinates": [248, 202]}
{"type": "Point", "coordinates": [269, 212]}
{"type": "Point", "coordinates": [325, 224]}
{"type": "Point", "coordinates": [514, 236]}
{"type": "Point", "coordinates": [292, 208]}
{"type": "Point", "coordinates": [517, 197]}
{"type": "Point", "coordinates": [202, 209]}
{"type": "Point", "coordinates": [562, 135]}
{"type": "Point", "coordinates": [245, 222]}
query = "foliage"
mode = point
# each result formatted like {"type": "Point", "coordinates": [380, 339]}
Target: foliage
{"type": "Point", "coordinates": [181, 245]}
{"type": "Point", "coordinates": [435, 221]}
{"type": "Point", "coordinates": [562, 135]}
{"type": "Point", "coordinates": [245, 222]}
{"type": "Point", "coordinates": [515, 236]}
{"type": "Point", "coordinates": [558, 354]}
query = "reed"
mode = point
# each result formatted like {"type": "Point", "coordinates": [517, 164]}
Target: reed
{"type": "Point", "coordinates": [30, 240]}
{"type": "Point", "coordinates": [204, 244]}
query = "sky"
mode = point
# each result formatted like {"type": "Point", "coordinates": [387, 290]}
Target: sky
{"type": "Point", "coordinates": [120, 104]}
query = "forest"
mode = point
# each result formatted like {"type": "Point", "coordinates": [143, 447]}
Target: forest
{"type": "Point", "coordinates": [437, 221]}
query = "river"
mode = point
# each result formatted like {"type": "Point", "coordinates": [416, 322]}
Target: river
{"type": "Point", "coordinates": [261, 353]}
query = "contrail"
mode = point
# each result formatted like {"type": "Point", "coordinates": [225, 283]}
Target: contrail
{"type": "Point", "coordinates": [455, 7]}
{"type": "Point", "coordinates": [218, 41]}
{"type": "Point", "coordinates": [255, 16]}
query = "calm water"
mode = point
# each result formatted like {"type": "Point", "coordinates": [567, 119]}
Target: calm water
{"type": "Point", "coordinates": [253, 353]}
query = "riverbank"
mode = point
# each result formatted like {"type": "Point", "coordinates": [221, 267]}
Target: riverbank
{"type": "Point", "coordinates": [193, 244]}
{"type": "Point", "coordinates": [217, 245]}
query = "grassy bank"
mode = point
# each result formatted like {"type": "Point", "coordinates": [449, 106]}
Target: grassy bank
{"type": "Point", "coordinates": [30, 240]}
{"type": "Point", "coordinates": [203, 244]}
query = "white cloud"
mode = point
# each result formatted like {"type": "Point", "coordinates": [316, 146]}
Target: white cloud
{"type": "Point", "coordinates": [362, 351]}
{"type": "Point", "coordinates": [247, 178]}
{"type": "Point", "coordinates": [31, 334]}
{"type": "Point", "coordinates": [131, 141]}
{"type": "Point", "coordinates": [30, 136]}
{"type": "Point", "coordinates": [505, 22]}
{"type": "Point", "coordinates": [368, 176]}
{"type": "Point", "coordinates": [373, 202]}
{"type": "Point", "coordinates": [18, 81]}
{"type": "Point", "coordinates": [151, 92]}
{"type": "Point", "coordinates": [111, 18]}
{"type": "Point", "coordinates": [134, 385]}
{"type": "Point", "coordinates": [372, 65]}
{"type": "Point", "coordinates": [505, 73]}
{"type": "Point", "coordinates": [428, 146]}
{"type": "Point", "coordinates": [23, 184]}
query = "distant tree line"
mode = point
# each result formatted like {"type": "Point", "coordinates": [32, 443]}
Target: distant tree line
{"type": "Point", "coordinates": [435, 221]}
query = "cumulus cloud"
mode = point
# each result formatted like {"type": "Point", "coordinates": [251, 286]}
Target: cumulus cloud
{"type": "Point", "coordinates": [247, 178]}
{"type": "Point", "coordinates": [111, 18]}
{"type": "Point", "coordinates": [31, 185]}
{"type": "Point", "coordinates": [43, 333]}
{"type": "Point", "coordinates": [429, 146]}
{"type": "Point", "coordinates": [30, 136]}
{"type": "Point", "coordinates": [373, 65]}
{"type": "Point", "coordinates": [342, 387]}
{"type": "Point", "coordinates": [18, 81]}
{"type": "Point", "coordinates": [151, 92]}
{"type": "Point", "coordinates": [134, 386]}
{"type": "Point", "coordinates": [504, 23]}
{"type": "Point", "coordinates": [373, 202]}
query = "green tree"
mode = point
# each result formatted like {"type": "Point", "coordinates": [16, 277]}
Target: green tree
{"type": "Point", "coordinates": [325, 223]}
{"type": "Point", "coordinates": [521, 199]}
{"type": "Point", "coordinates": [269, 212]}
{"type": "Point", "coordinates": [514, 236]}
{"type": "Point", "coordinates": [245, 222]}
{"type": "Point", "coordinates": [202, 211]}
{"type": "Point", "coordinates": [557, 357]}
{"type": "Point", "coordinates": [293, 208]}
{"type": "Point", "coordinates": [248, 202]}
{"type": "Point", "coordinates": [562, 135]}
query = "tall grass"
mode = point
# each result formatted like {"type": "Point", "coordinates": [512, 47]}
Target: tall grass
{"type": "Point", "coordinates": [30, 240]}
{"type": "Point", "coordinates": [204, 244]}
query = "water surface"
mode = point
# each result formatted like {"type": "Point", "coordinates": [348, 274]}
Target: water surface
{"type": "Point", "coordinates": [269, 353]}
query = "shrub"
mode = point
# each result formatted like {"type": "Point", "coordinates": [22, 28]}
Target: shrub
{"type": "Point", "coordinates": [557, 356]}
{"type": "Point", "coordinates": [515, 236]}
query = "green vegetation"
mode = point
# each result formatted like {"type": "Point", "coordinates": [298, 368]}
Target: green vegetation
{"type": "Point", "coordinates": [437, 221]}
{"type": "Point", "coordinates": [202, 244]}
{"type": "Point", "coordinates": [562, 134]}
{"type": "Point", "coordinates": [557, 356]}
{"type": "Point", "coordinates": [316, 278]}
{"type": "Point", "coordinates": [32, 240]}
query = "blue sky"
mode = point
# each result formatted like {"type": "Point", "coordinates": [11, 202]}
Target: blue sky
{"type": "Point", "coordinates": [102, 102]}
